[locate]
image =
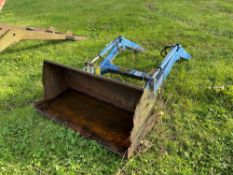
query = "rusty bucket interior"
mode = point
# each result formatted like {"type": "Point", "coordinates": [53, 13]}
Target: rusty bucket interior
{"type": "Point", "coordinates": [99, 108]}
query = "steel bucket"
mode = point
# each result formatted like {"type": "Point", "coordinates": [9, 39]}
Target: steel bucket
{"type": "Point", "coordinates": [115, 114]}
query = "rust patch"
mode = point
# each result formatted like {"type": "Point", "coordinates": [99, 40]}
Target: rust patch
{"type": "Point", "coordinates": [93, 118]}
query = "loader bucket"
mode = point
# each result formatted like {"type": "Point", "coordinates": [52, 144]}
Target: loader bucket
{"type": "Point", "coordinates": [115, 114]}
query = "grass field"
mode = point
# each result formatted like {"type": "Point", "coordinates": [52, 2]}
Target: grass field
{"type": "Point", "coordinates": [195, 134]}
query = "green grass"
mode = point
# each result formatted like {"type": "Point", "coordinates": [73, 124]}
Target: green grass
{"type": "Point", "coordinates": [195, 134]}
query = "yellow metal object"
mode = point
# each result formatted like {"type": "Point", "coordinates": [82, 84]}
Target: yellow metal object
{"type": "Point", "coordinates": [97, 71]}
{"type": "Point", "coordinates": [10, 35]}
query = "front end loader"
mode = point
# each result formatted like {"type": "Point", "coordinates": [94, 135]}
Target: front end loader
{"type": "Point", "coordinates": [116, 114]}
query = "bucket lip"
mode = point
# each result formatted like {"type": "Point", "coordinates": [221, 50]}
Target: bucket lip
{"type": "Point", "coordinates": [94, 75]}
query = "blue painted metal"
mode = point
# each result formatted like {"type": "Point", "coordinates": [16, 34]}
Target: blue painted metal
{"type": "Point", "coordinates": [113, 49]}
{"type": "Point", "coordinates": [176, 52]}
{"type": "Point", "coordinates": [153, 80]}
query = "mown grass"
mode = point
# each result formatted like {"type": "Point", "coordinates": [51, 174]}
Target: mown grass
{"type": "Point", "coordinates": [195, 134]}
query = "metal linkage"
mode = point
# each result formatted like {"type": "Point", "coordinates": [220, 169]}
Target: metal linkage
{"type": "Point", "coordinates": [10, 35]}
{"type": "Point", "coordinates": [153, 80]}
{"type": "Point", "coordinates": [176, 52]}
{"type": "Point", "coordinates": [109, 53]}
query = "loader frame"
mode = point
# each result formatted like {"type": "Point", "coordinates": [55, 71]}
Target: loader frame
{"type": "Point", "coordinates": [153, 80]}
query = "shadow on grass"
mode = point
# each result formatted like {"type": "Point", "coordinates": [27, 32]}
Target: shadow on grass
{"type": "Point", "coordinates": [30, 142]}
{"type": "Point", "coordinates": [9, 50]}
{"type": "Point", "coordinates": [38, 143]}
